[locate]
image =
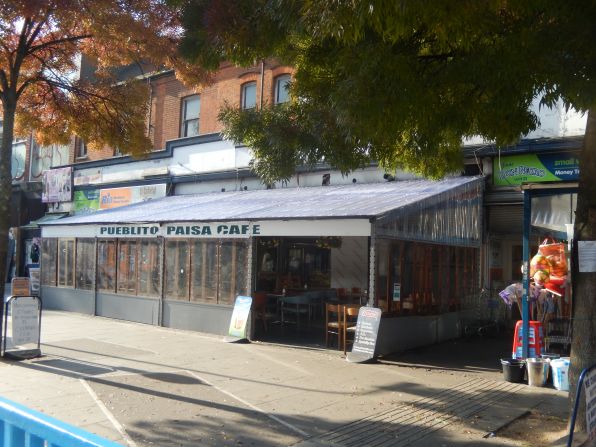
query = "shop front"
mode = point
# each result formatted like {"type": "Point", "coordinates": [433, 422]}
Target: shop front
{"type": "Point", "coordinates": [410, 248]}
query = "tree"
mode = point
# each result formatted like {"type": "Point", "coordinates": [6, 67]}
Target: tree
{"type": "Point", "coordinates": [41, 44]}
{"type": "Point", "coordinates": [403, 82]}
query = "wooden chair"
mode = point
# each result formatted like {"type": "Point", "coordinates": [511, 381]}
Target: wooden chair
{"type": "Point", "coordinates": [333, 322]}
{"type": "Point", "coordinates": [259, 307]}
{"type": "Point", "coordinates": [350, 318]}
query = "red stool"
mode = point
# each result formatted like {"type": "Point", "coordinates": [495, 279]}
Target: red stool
{"type": "Point", "coordinates": [535, 340]}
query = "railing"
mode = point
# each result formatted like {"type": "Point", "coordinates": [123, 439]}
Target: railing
{"type": "Point", "coordinates": [21, 426]}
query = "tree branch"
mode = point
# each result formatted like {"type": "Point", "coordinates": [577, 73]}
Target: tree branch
{"type": "Point", "coordinates": [51, 43]}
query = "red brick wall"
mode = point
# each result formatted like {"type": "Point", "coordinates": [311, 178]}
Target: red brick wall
{"type": "Point", "coordinates": [167, 94]}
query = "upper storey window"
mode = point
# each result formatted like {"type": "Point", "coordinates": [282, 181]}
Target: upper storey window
{"type": "Point", "coordinates": [249, 95]}
{"type": "Point", "coordinates": [191, 108]}
{"type": "Point", "coordinates": [281, 89]}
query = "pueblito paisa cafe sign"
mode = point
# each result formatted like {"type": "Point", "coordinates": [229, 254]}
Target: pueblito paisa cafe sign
{"type": "Point", "coordinates": [186, 230]}
{"type": "Point", "coordinates": [514, 170]}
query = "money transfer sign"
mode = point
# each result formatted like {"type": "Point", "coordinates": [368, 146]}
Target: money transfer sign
{"type": "Point", "coordinates": [515, 170]}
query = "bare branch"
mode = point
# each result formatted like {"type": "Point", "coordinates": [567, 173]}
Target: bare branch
{"type": "Point", "coordinates": [56, 42]}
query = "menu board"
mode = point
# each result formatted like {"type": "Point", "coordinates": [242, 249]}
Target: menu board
{"type": "Point", "coordinates": [237, 330]}
{"type": "Point", "coordinates": [25, 320]}
{"type": "Point", "coordinates": [365, 339]}
{"type": "Point", "coordinates": [590, 390]}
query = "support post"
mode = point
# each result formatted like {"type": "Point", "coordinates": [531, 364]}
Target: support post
{"type": "Point", "coordinates": [526, 271]}
{"type": "Point", "coordinates": [372, 270]}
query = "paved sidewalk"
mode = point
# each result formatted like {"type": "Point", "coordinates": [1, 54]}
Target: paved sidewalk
{"type": "Point", "coordinates": [147, 386]}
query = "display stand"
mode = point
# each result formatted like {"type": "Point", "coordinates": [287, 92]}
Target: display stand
{"type": "Point", "coordinates": [238, 324]}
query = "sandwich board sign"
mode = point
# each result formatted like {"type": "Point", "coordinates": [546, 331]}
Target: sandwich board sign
{"type": "Point", "coordinates": [365, 338]}
{"type": "Point", "coordinates": [25, 324]}
{"type": "Point", "coordinates": [240, 315]}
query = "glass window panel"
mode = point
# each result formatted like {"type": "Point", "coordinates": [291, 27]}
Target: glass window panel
{"type": "Point", "coordinates": [240, 272]}
{"type": "Point", "coordinates": [191, 109]}
{"type": "Point", "coordinates": [66, 251]}
{"type": "Point", "coordinates": [106, 266]}
{"type": "Point", "coordinates": [227, 268]}
{"type": "Point", "coordinates": [249, 95]}
{"type": "Point", "coordinates": [205, 271]}
{"type": "Point", "coordinates": [48, 261]}
{"type": "Point", "coordinates": [176, 269]}
{"type": "Point", "coordinates": [281, 89]}
{"type": "Point", "coordinates": [127, 262]}
{"type": "Point", "coordinates": [149, 262]}
{"type": "Point", "coordinates": [85, 263]}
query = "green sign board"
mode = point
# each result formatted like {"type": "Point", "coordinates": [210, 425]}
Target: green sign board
{"type": "Point", "coordinates": [514, 170]}
{"type": "Point", "coordinates": [86, 201]}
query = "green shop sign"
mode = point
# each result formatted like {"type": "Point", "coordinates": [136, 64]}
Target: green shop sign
{"type": "Point", "coordinates": [515, 170]}
{"type": "Point", "coordinates": [86, 201]}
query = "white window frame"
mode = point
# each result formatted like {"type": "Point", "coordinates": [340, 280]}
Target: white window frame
{"type": "Point", "coordinates": [279, 80]}
{"type": "Point", "coordinates": [243, 96]}
{"type": "Point", "coordinates": [185, 120]}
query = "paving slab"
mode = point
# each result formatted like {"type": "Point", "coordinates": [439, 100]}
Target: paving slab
{"type": "Point", "coordinates": [141, 385]}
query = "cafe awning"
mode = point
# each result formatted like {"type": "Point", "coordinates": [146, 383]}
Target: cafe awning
{"type": "Point", "coordinates": [285, 211]}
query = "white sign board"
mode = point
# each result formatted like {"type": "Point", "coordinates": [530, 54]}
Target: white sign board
{"type": "Point", "coordinates": [586, 256]}
{"type": "Point", "coordinates": [25, 320]}
{"type": "Point", "coordinates": [590, 390]}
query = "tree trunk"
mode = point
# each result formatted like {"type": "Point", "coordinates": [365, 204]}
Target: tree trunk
{"type": "Point", "coordinates": [583, 346]}
{"type": "Point", "coordinates": [8, 116]}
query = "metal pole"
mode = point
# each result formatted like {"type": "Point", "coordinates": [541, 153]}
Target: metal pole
{"type": "Point", "coordinates": [526, 271]}
{"type": "Point", "coordinates": [372, 269]}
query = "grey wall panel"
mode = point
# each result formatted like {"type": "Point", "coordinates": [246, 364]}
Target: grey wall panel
{"type": "Point", "coordinates": [197, 317]}
{"type": "Point", "coordinates": [130, 308]}
{"type": "Point", "coordinates": [72, 300]}
{"type": "Point", "coordinates": [401, 333]}
{"type": "Point", "coordinates": [449, 327]}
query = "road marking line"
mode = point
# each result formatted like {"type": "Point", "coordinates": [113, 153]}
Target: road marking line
{"type": "Point", "coordinates": [117, 425]}
{"type": "Point", "coordinates": [248, 404]}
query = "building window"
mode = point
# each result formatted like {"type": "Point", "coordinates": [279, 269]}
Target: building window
{"type": "Point", "coordinates": [177, 269]}
{"type": "Point", "coordinates": [85, 264]}
{"type": "Point", "coordinates": [81, 148]}
{"type": "Point", "coordinates": [48, 261]}
{"type": "Point", "coordinates": [204, 273]}
{"type": "Point", "coordinates": [106, 266]}
{"type": "Point", "coordinates": [281, 89]}
{"type": "Point", "coordinates": [149, 274]}
{"type": "Point", "coordinates": [249, 95]}
{"type": "Point", "coordinates": [191, 108]}
{"type": "Point", "coordinates": [127, 267]}
{"type": "Point", "coordinates": [66, 262]}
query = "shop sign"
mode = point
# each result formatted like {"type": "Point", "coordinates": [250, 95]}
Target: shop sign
{"type": "Point", "coordinates": [116, 197]}
{"type": "Point", "coordinates": [515, 170]}
{"type": "Point", "coordinates": [205, 230]}
{"type": "Point", "coordinates": [57, 185]}
{"type": "Point", "coordinates": [396, 292]}
{"type": "Point", "coordinates": [20, 286]}
{"type": "Point", "coordinates": [86, 202]}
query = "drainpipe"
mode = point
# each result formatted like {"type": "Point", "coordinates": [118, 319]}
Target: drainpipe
{"type": "Point", "coordinates": [262, 83]}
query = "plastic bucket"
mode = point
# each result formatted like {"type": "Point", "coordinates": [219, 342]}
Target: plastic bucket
{"type": "Point", "coordinates": [560, 372]}
{"type": "Point", "coordinates": [549, 357]}
{"type": "Point", "coordinates": [537, 371]}
{"type": "Point", "coordinates": [513, 370]}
